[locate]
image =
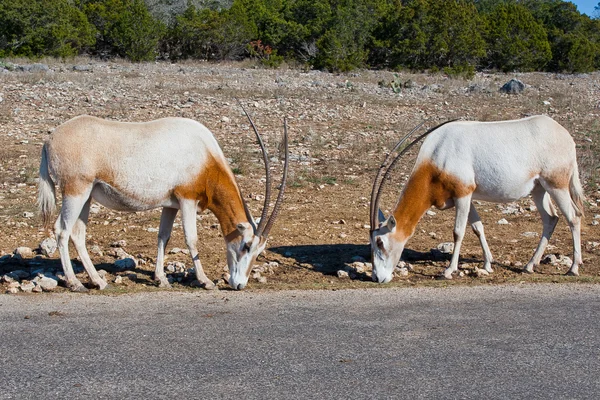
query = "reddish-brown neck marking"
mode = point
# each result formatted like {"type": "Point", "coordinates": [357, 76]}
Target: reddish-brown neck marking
{"type": "Point", "coordinates": [215, 188]}
{"type": "Point", "coordinates": [427, 186]}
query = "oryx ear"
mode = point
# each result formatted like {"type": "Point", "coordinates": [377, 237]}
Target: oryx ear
{"type": "Point", "coordinates": [381, 216]}
{"type": "Point", "coordinates": [391, 223]}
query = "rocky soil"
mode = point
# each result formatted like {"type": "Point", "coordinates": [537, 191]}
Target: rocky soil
{"type": "Point", "coordinates": [340, 126]}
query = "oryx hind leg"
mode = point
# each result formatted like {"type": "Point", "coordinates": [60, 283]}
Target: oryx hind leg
{"type": "Point", "coordinates": [78, 239]}
{"type": "Point", "coordinates": [541, 198]}
{"type": "Point", "coordinates": [477, 227]}
{"type": "Point", "coordinates": [562, 198]}
{"type": "Point", "coordinates": [72, 206]}
{"type": "Point", "coordinates": [167, 218]}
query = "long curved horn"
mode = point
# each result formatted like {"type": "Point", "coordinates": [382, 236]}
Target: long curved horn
{"type": "Point", "coordinates": [282, 186]}
{"type": "Point", "coordinates": [374, 215]}
{"type": "Point", "coordinates": [393, 163]}
{"type": "Point", "coordinates": [265, 210]}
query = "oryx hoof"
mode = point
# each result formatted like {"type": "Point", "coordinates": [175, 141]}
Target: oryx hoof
{"type": "Point", "coordinates": [206, 285]}
{"type": "Point", "coordinates": [78, 287]}
{"type": "Point", "coordinates": [572, 273]}
{"type": "Point", "coordinates": [444, 277]}
{"type": "Point", "coordinates": [528, 270]}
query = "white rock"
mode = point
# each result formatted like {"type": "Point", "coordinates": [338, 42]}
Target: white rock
{"type": "Point", "coordinates": [342, 274]}
{"type": "Point", "coordinates": [27, 286]}
{"type": "Point", "coordinates": [118, 280]}
{"type": "Point", "coordinates": [28, 214]}
{"type": "Point", "coordinates": [481, 272]}
{"type": "Point", "coordinates": [430, 212]}
{"type": "Point", "coordinates": [97, 250]}
{"type": "Point", "coordinates": [502, 222]}
{"type": "Point", "coordinates": [24, 252]}
{"type": "Point", "coordinates": [402, 271]}
{"type": "Point", "coordinates": [119, 243]}
{"type": "Point", "coordinates": [530, 234]}
{"type": "Point", "coordinates": [48, 246]}
{"type": "Point", "coordinates": [550, 259]}
{"type": "Point", "coordinates": [225, 119]}
{"type": "Point", "coordinates": [564, 260]}
{"type": "Point", "coordinates": [446, 248]}
{"type": "Point", "coordinates": [46, 283]}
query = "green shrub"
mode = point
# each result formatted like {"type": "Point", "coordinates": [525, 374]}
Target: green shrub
{"type": "Point", "coordinates": [125, 28]}
{"type": "Point", "coordinates": [35, 28]}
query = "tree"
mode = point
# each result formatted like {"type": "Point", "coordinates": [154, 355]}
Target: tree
{"type": "Point", "coordinates": [125, 28]}
{"type": "Point", "coordinates": [35, 28]}
{"type": "Point", "coordinates": [516, 41]}
{"type": "Point", "coordinates": [432, 33]}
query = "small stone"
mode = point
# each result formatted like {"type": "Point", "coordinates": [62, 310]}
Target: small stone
{"type": "Point", "coordinates": [481, 272]}
{"type": "Point", "coordinates": [102, 273]}
{"type": "Point", "coordinates": [342, 274]}
{"type": "Point", "coordinates": [550, 259]}
{"type": "Point", "coordinates": [225, 119]}
{"type": "Point", "coordinates": [24, 252]}
{"type": "Point", "coordinates": [28, 214]}
{"type": "Point", "coordinates": [27, 286]}
{"type": "Point", "coordinates": [19, 274]}
{"type": "Point", "coordinates": [125, 263]}
{"type": "Point", "coordinates": [118, 280]}
{"type": "Point", "coordinates": [262, 279]}
{"type": "Point", "coordinates": [175, 250]}
{"type": "Point", "coordinates": [430, 213]}
{"type": "Point", "coordinates": [12, 290]}
{"type": "Point", "coordinates": [402, 271]}
{"type": "Point", "coordinates": [97, 250]}
{"type": "Point", "coordinates": [564, 260]}
{"type": "Point", "coordinates": [446, 248]}
{"type": "Point", "coordinates": [119, 243]}
{"type": "Point", "coordinates": [46, 283]}
{"type": "Point", "coordinates": [514, 86]}
{"type": "Point", "coordinates": [342, 235]}
{"type": "Point", "coordinates": [48, 246]}
{"type": "Point", "coordinates": [502, 222]}
{"type": "Point", "coordinates": [530, 234]}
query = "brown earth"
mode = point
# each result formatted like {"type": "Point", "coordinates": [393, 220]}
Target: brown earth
{"type": "Point", "coordinates": [340, 127]}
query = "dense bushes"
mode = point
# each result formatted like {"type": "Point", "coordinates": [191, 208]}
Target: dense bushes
{"type": "Point", "coordinates": [457, 36]}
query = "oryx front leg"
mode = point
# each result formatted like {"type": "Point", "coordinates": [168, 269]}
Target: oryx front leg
{"type": "Point", "coordinates": [541, 198]}
{"type": "Point", "coordinates": [70, 211]}
{"type": "Point", "coordinates": [188, 219]}
{"type": "Point", "coordinates": [477, 227]}
{"type": "Point", "coordinates": [78, 239]}
{"type": "Point", "coordinates": [167, 218]}
{"type": "Point", "coordinates": [463, 206]}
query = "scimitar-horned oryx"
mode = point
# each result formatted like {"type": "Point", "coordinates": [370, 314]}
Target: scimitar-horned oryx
{"type": "Point", "coordinates": [461, 161]}
{"type": "Point", "coordinates": [173, 163]}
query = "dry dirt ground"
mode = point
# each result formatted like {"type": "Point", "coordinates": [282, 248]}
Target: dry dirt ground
{"type": "Point", "coordinates": [340, 126]}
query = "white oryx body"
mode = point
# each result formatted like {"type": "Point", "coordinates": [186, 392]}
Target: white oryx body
{"type": "Point", "coordinates": [492, 161]}
{"type": "Point", "coordinates": [173, 163]}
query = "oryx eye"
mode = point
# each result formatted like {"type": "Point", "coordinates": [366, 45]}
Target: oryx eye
{"type": "Point", "coordinates": [380, 243]}
{"type": "Point", "coordinates": [246, 247]}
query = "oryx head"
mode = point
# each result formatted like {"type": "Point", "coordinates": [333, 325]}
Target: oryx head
{"type": "Point", "coordinates": [386, 243]}
{"type": "Point", "coordinates": [248, 240]}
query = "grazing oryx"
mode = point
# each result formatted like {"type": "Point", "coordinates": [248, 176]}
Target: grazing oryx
{"type": "Point", "coordinates": [492, 161]}
{"type": "Point", "coordinates": [173, 163]}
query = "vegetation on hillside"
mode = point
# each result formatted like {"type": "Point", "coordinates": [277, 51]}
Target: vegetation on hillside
{"type": "Point", "coordinates": [457, 36]}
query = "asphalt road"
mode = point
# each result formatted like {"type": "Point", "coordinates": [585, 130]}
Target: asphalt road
{"type": "Point", "coordinates": [508, 342]}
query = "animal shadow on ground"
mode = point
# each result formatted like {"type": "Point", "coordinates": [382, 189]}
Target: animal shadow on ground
{"type": "Point", "coordinates": [328, 259]}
